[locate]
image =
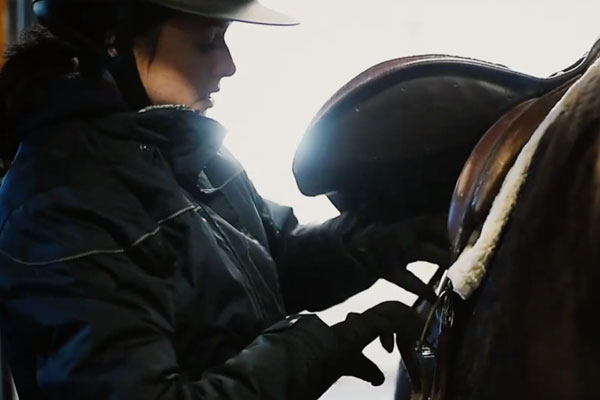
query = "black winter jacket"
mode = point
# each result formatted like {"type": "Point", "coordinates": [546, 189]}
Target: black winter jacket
{"type": "Point", "coordinates": [137, 261]}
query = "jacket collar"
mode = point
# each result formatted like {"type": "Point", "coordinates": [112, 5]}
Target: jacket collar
{"type": "Point", "coordinates": [188, 140]}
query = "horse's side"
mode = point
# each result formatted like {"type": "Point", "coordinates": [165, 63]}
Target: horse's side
{"type": "Point", "coordinates": [529, 331]}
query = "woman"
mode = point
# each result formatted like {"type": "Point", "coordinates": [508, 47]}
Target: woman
{"type": "Point", "coordinates": [137, 260]}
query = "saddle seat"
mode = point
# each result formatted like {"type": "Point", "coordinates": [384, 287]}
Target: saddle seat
{"type": "Point", "coordinates": [393, 141]}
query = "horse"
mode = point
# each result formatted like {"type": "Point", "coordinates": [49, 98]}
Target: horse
{"type": "Point", "coordinates": [515, 161]}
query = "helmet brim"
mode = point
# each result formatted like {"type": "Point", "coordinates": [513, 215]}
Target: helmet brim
{"type": "Point", "coordinates": [251, 12]}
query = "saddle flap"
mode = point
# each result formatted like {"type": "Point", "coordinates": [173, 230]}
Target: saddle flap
{"type": "Point", "coordinates": [393, 141]}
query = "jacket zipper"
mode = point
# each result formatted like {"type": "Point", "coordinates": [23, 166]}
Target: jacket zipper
{"type": "Point", "coordinates": [278, 302]}
{"type": "Point", "coordinates": [249, 283]}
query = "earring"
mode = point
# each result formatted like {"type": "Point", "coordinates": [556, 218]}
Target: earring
{"type": "Point", "coordinates": [75, 64]}
{"type": "Point", "coordinates": [111, 48]}
{"type": "Point", "coordinates": [112, 52]}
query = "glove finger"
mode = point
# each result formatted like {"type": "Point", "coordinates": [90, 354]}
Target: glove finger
{"type": "Point", "coordinates": [387, 342]}
{"type": "Point", "coordinates": [398, 318]}
{"type": "Point", "coordinates": [388, 308]}
{"type": "Point", "coordinates": [384, 319]}
{"type": "Point", "coordinates": [365, 369]}
{"type": "Point", "coordinates": [370, 327]}
{"type": "Point", "coordinates": [362, 329]}
{"type": "Point", "coordinates": [394, 317]}
{"type": "Point", "coordinates": [408, 281]}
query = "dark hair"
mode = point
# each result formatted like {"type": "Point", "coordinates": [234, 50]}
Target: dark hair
{"type": "Point", "coordinates": [36, 59]}
{"type": "Point", "coordinates": [41, 56]}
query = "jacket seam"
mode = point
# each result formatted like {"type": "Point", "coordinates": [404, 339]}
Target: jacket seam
{"type": "Point", "coordinates": [77, 256]}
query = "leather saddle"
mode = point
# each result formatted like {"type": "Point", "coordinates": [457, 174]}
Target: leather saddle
{"type": "Point", "coordinates": [393, 141]}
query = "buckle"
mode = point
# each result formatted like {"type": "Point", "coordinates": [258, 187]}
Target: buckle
{"type": "Point", "coordinates": [429, 372]}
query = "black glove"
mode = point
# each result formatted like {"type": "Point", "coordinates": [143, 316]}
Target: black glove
{"type": "Point", "coordinates": [300, 357]}
{"type": "Point", "coordinates": [388, 248]}
{"type": "Point", "coordinates": [382, 321]}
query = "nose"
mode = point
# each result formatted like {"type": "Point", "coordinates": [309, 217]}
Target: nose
{"type": "Point", "coordinates": [224, 65]}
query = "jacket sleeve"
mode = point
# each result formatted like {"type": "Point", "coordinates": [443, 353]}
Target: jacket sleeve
{"type": "Point", "coordinates": [315, 269]}
{"type": "Point", "coordinates": [98, 324]}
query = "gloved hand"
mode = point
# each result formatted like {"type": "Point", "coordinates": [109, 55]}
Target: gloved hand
{"type": "Point", "coordinates": [300, 357]}
{"type": "Point", "coordinates": [388, 248]}
{"type": "Point", "coordinates": [382, 321]}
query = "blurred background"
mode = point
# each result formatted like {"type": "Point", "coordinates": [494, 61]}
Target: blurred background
{"type": "Point", "coordinates": [284, 75]}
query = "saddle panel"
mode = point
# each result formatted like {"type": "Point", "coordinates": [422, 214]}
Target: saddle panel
{"type": "Point", "coordinates": [393, 141]}
{"type": "Point", "coordinates": [489, 163]}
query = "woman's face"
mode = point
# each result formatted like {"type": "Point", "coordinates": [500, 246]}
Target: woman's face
{"type": "Point", "coordinates": [187, 63]}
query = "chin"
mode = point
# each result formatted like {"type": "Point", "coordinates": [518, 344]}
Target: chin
{"type": "Point", "coordinates": [203, 105]}
{"type": "Point", "coordinates": [200, 110]}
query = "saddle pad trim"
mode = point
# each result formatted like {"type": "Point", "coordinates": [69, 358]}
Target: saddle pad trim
{"type": "Point", "coordinates": [470, 268]}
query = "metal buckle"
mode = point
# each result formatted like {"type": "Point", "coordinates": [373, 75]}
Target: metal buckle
{"type": "Point", "coordinates": [433, 346]}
